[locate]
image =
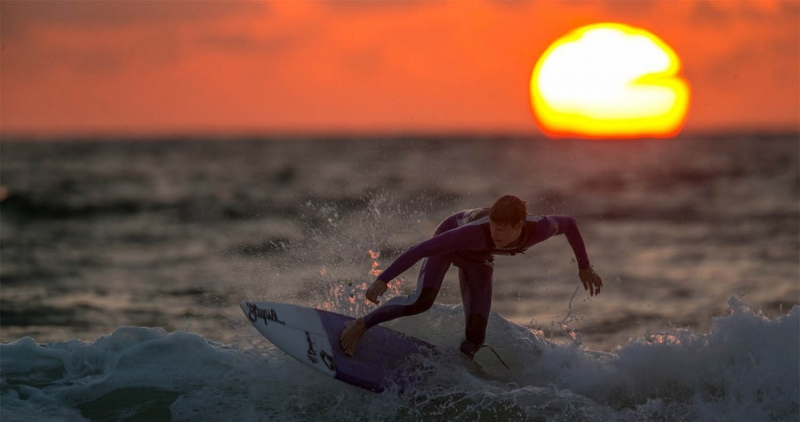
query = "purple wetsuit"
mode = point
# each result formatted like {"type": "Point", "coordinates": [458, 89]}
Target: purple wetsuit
{"type": "Point", "coordinates": [464, 240]}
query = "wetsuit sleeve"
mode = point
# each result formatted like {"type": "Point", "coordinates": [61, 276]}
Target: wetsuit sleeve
{"type": "Point", "coordinates": [462, 238]}
{"type": "Point", "coordinates": [569, 228]}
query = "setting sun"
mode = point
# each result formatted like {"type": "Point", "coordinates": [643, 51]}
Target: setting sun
{"type": "Point", "coordinates": [609, 81]}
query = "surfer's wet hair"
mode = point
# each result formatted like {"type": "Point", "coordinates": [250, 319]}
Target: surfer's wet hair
{"type": "Point", "coordinates": [508, 210]}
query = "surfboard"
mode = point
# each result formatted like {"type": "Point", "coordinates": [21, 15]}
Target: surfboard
{"type": "Point", "coordinates": [312, 337]}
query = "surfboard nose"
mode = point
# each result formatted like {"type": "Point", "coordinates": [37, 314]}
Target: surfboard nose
{"type": "Point", "coordinates": [249, 310]}
{"type": "Point", "coordinates": [244, 307]}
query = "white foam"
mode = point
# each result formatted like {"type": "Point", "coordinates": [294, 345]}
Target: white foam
{"type": "Point", "coordinates": [744, 369]}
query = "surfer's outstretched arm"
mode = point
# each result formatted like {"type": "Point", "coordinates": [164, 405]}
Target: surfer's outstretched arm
{"type": "Point", "coordinates": [569, 228]}
{"type": "Point", "coordinates": [449, 241]}
{"type": "Point", "coordinates": [462, 238]}
{"type": "Point", "coordinates": [591, 281]}
{"type": "Point", "coordinates": [377, 289]}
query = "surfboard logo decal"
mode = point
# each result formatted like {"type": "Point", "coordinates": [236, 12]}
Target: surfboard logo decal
{"type": "Point", "coordinates": [311, 353]}
{"type": "Point", "coordinates": [328, 360]}
{"type": "Point", "coordinates": [265, 314]}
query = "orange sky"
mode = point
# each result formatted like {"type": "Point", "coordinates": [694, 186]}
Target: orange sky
{"type": "Point", "coordinates": [195, 67]}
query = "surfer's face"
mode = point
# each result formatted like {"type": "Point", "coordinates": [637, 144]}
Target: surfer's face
{"type": "Point", "coordinates": [504, 234]}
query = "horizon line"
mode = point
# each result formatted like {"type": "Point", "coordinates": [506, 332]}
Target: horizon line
{"type": "Point", "coordinates": [343, 135]}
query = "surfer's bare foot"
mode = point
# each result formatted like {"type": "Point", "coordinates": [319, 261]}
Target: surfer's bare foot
{"type": "Point", "coordinates": [351, 335]}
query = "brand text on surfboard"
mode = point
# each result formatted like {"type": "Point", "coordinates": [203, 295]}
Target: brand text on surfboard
{"type": "Point", "coordinates": [265, 314]}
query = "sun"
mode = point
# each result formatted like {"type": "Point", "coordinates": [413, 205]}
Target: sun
{"type": "Point", "coordinates": [609, 81]}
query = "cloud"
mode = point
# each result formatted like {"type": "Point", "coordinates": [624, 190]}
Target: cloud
{"type": "Point", "coordinates": [151, 47]}
{"type": "Point", "coordinates": [720, 13]}
{"type": "Point", "coordinates": [244, 41]}
{"type": "Point", "coordinates": [631, 7]}
{"type": "Point", "coordinates": [101, 37]}
{"type": "Point", "coordinates": [377, 5]}
{"type": "Point", "coordinates": [18, 16]}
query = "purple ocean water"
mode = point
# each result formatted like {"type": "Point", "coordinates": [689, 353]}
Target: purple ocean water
{"type": "Point", "coordinates": [123, 261]}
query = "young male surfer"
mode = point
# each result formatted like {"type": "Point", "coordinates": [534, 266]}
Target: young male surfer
{"type": "Point", "coordinates": [469, 240]}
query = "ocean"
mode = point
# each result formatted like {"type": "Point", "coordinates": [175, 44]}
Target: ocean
{"type": "Point", "coordinates": [122, 263]}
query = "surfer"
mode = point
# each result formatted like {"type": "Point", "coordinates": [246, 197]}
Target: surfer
{"type": "Point", "coordinates": [469, 240]}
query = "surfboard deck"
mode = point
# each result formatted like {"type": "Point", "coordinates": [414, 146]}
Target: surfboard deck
{"type": "Point", "coordinates": [312, 337]}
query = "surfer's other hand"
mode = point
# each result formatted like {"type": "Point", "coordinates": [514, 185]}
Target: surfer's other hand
{"type": "Point", "coordinates": [591, 281]}
{"type": "Point", "coordinates": [376, 289]}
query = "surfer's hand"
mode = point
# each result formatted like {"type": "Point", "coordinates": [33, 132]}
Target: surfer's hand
{"type": "Point", "coordinates": [591, 281]}
{"type": "Point", "coordinates": [376, 289]}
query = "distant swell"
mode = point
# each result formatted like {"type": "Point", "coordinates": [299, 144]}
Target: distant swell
{"type": "Point", "coordinates": [24, 206]}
